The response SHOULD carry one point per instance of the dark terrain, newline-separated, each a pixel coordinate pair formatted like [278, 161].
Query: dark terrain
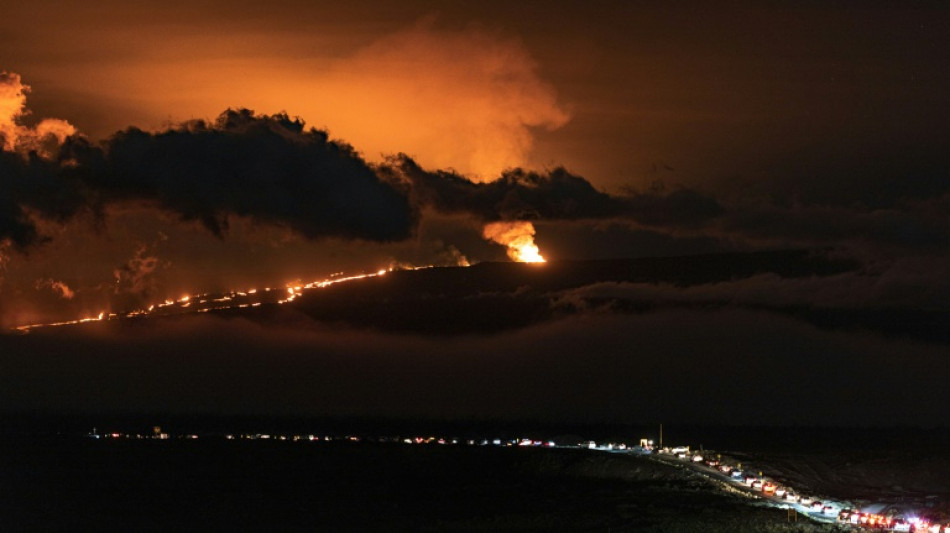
[493, 297]
[206, 484]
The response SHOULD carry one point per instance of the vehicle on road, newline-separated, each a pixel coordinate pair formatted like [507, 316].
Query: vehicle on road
[900, 524]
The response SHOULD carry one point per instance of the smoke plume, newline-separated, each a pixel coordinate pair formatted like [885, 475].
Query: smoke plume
[472, 98]
[58, 287]
[518, 237]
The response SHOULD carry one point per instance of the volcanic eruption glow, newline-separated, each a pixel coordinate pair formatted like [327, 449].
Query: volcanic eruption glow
[518, 236]
[203, 303]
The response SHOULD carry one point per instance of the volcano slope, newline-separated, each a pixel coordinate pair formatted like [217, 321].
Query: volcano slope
[491, 297]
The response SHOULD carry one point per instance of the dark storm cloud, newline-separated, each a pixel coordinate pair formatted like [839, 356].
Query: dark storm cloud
[893, 199]
[265, 167]
[554, 195]
[33, 184]
[272, 170]
[268, 168]
[517, 194]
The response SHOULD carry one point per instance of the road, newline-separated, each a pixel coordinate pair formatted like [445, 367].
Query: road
[771, 499]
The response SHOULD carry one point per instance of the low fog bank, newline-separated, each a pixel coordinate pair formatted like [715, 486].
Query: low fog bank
[699, 366]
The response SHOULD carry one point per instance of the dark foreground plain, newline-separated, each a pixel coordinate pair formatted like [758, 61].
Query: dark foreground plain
[69, 484]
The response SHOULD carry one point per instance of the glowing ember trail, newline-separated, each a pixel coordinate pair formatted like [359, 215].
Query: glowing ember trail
[518, 237]
[203, 303]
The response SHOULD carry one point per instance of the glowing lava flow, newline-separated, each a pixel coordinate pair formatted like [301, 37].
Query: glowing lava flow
[203, 303]
[518, 237]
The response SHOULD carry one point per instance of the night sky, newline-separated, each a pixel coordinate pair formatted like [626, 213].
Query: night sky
[155, 150]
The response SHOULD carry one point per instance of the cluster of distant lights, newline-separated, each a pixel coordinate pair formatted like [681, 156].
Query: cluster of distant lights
[521, 443]
[853, 517]
[877, 521]
[430, 440]
[204, 303]
[846, 516]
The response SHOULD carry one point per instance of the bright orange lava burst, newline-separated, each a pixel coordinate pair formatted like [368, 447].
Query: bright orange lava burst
[518, 237]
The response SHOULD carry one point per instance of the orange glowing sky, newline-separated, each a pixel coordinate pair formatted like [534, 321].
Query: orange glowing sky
[616, 91]
[466, 97]
[754, 105]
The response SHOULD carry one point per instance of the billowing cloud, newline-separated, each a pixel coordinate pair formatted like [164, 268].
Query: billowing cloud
[44, 138]
[273, 170]
[28, 181]
[33, 186]
[12, 100]
[136, 276]
[451, 95]
[268, 168]
[58, 287]
[554, 195]
[465, 99]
